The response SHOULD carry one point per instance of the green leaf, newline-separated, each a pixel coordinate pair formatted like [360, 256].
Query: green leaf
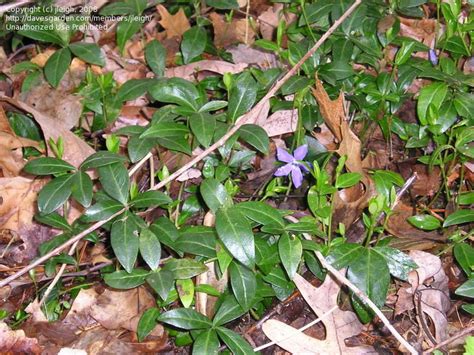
[256, 136]
[147, 323]
[54, 220]
[185, 268]
[229, 310]
[150, 248]
[185, 318]
[169, 135]
[213, 106]
[56, 66]
[464, 254]
[347, 180]
[101, 211]
[337, 70]
[455, 45]
[115, 181]
[234, 342]
[117, 8]
[464, 141]
[214, 194]
[193, 43]
[197, 240]
[294, 84]
[126, 28]
[139, 147]
[125, 242]
[185, 290]
[464, 104]
[123, 280]
[82, 188]
[203, 126]
[459, 217]
[138, 5]
[399, 263]
[433, 94]
[155, 55]
[466, 289]
[343, 255]
[176, 91]
[166, 231]
[47, 166]
[223, 4]
[290, 250]
[55, 193]
[151, 199]
[405, 52]
[370, 273]
[206, 343]
[88, 52]
[261, 213]
[466, 198]
[244, 284]
[101, 158]
[425, 222]
[236, 234]
[161, 281]
[242, 96]
[133, 89]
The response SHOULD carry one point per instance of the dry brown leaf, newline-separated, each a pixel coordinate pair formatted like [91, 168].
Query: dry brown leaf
[430, 283]
[16, 342]
[281, 122]
[189, 71]
[253, 56]
[270, 19]
[339, 325]
[75, 149]
[174, 25]
[227, 33]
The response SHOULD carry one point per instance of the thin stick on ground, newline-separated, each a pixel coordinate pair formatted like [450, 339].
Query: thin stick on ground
[464, 332]
[251, 116]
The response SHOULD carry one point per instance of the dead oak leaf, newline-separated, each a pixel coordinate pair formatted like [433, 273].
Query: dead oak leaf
[174, 25]
[339, 324]
[16, 342]
[227, 33]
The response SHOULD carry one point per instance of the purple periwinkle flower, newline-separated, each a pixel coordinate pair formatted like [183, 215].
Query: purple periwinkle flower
[433, 57]
[293, 164]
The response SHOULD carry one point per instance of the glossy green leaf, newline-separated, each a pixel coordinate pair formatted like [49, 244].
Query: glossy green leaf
[166, 231]
[228, 310]
[294, 84]
[343, 255]
[147, 323]
[290, 250]
[425, 222]
[125, 242]
[459, 217]
[139, 147]
[55, 193]
[169, 135]
[155, 55]
[185, 268]
[150, 248]
[466, 198]
[433, 94]
[88, 52]
[464, 104]
[185, 290]
[82, 188]
[234, 342]
[256, 136]
[133, 89]
[47, 166]
[405, 52]
[370, 273]
[244, 284]
[261, 212]
[176, 91]
[203, 126]
[138, 5]
[101, 210]
[242, 96]
[161, 281]
[126, 28]
[123, 280]
[206, 343]
[56, 66]
[54, 220]
[466, 289]
[115, 181]
[213, 106]
[193, 43]
[214, 194]
[101, 158]
[223, 4]
[197, 240]
[151, 199]
[347, 180]
[236, 234]
[464, 254]
[399, 263]
[117, 8]
[185, 318]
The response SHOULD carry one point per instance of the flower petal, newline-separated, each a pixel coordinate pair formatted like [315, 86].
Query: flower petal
[284, 156]
[304, 168]
[296, 176]
[301, 152]
[284, 170]
[433, 57]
